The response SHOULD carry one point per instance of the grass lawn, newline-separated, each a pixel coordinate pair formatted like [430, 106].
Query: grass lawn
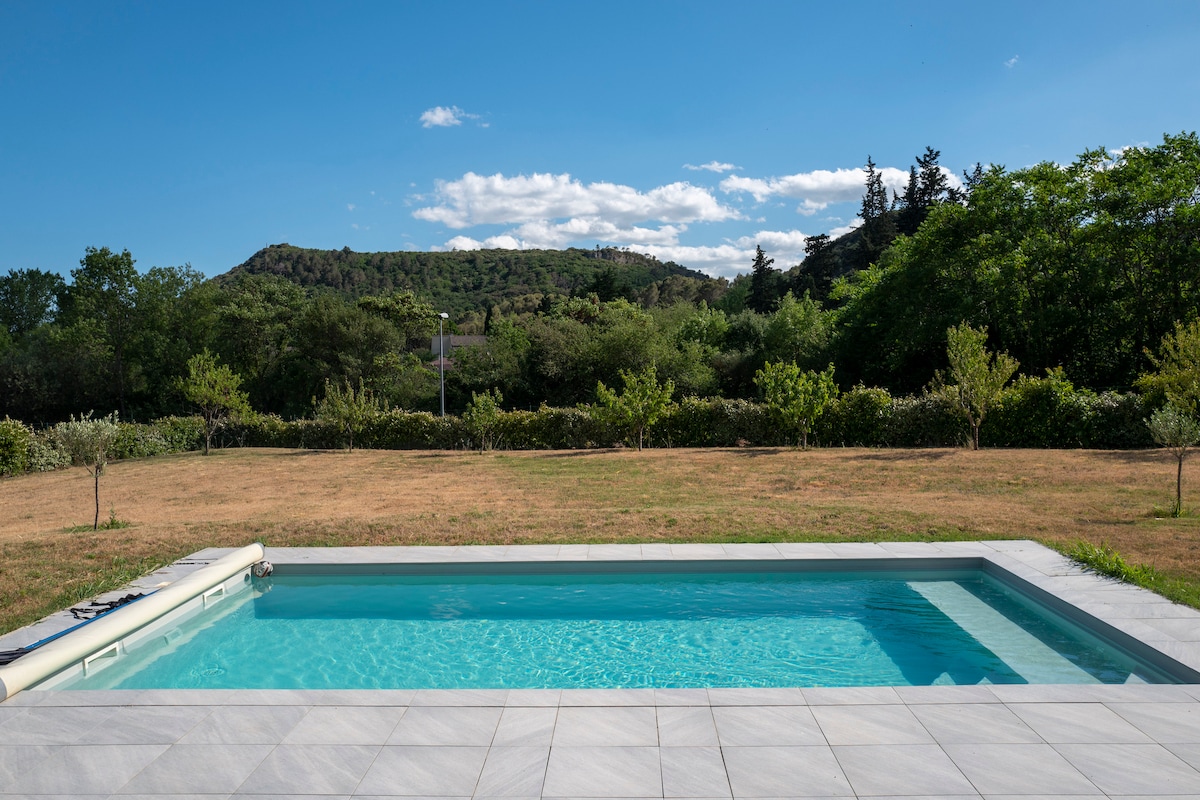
[179, 504]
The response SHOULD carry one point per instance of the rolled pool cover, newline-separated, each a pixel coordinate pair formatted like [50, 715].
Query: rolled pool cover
[56, 655]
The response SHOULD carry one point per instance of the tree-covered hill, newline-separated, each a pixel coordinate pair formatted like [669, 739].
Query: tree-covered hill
[461, 282]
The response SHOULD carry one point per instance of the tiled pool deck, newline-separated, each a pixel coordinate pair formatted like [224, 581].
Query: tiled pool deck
[1025, 741]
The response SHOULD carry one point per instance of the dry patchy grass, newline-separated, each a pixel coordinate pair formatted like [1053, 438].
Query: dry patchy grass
[180, 504]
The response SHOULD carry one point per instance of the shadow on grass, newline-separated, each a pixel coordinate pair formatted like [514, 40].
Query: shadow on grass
[1148, 456]
[907, 454]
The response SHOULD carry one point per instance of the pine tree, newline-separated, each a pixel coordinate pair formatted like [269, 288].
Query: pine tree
[764, 283]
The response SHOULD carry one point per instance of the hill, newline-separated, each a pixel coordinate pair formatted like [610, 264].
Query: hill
[466, 281]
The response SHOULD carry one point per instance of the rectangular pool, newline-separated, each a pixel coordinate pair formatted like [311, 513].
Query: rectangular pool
[614, 625]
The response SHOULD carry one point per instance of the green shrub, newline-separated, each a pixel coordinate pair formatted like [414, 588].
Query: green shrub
[180, 434]
[858, 418]
[718, 422]
[45, 454]
[553, 429]
[929, 420]
[1040, 412]
[1118, 422]
[15, 439]
[137, 441]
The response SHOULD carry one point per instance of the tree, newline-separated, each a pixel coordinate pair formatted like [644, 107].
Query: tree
[1178, 368]
[482, 418]
[764, 283]
[215, 390]
[798, 398]
[88, 442]
[878, 228]
[103, 295]
[978, 375]
[28, 299]
[641, 403]
[1176, 431]
[347, 408]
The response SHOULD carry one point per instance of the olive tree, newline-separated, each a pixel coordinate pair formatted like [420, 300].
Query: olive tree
[642, 402]
[1176, 431]
[88, 442]
[795, 396]
[979, 376]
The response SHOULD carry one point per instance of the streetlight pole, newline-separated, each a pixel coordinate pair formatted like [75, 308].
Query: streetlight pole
[442, 317]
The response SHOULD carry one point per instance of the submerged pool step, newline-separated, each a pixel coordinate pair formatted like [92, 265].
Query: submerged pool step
[1026, 654]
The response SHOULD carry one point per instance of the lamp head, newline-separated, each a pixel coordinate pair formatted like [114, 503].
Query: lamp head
[444, 315]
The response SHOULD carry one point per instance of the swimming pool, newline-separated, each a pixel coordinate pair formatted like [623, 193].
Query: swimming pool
[617, 624]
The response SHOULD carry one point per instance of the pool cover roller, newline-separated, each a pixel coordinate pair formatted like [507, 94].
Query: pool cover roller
[95, 636]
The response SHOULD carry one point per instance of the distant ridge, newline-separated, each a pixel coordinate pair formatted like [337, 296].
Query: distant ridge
[464, 281]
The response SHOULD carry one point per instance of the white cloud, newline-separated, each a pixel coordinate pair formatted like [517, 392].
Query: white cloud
[816, 189]
[350, 206]
[1012, 62]
[712, 166]
[497, 199]
[731, 258]
[443, 117]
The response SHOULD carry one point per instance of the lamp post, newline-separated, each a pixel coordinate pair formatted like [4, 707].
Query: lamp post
[442, 317]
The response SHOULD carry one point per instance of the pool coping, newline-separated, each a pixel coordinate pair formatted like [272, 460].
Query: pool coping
[1156, 758]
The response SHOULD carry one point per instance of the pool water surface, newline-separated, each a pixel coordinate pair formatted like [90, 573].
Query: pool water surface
[620, 630]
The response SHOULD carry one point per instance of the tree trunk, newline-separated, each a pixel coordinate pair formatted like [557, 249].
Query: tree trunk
[96, 521]
[1179, 488]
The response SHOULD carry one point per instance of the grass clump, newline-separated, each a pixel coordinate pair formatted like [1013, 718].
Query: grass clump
[1104, 560]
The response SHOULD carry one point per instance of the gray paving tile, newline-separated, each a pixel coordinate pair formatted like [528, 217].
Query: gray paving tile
[460, 697]
[771, 725]
[903, 769]
[149, 724]
[785, 772]
[607, 697]
[53, 725]
[245, 725]
[16, 760]
[533, 697]
[294, 769]
[196, 768]
[1164, 722]
[686, 726]
[513, 772]
[1019, 769]
[1124, 769]
[1188, 753]
[693, 772]
[603, 772]
[974, 723]
[346, 725]
[870, 725]
[1076, 722]
[84, 769]
[756, 697]
[453, 725]
[432, 771]
[681, 697]
[606, 727]
[526, 727]
[861, 695]
[930, 695]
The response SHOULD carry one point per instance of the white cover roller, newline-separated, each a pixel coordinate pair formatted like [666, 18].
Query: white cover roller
[95, 636]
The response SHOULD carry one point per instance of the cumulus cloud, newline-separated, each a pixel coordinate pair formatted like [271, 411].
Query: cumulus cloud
[1012, 62]
[816, 189]
[712, 166]
[445, 117]
[497, 199]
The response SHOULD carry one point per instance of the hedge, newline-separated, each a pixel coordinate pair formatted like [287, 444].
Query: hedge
[1032, 412]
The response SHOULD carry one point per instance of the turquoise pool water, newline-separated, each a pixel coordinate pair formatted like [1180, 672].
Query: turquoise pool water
[621, 631]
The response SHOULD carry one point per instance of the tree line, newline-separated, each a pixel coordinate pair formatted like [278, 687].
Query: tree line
[1081, 268]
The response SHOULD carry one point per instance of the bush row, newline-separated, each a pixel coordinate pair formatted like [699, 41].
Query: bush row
[1037, 412]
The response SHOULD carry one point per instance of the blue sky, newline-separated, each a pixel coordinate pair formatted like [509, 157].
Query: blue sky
[198, 133]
